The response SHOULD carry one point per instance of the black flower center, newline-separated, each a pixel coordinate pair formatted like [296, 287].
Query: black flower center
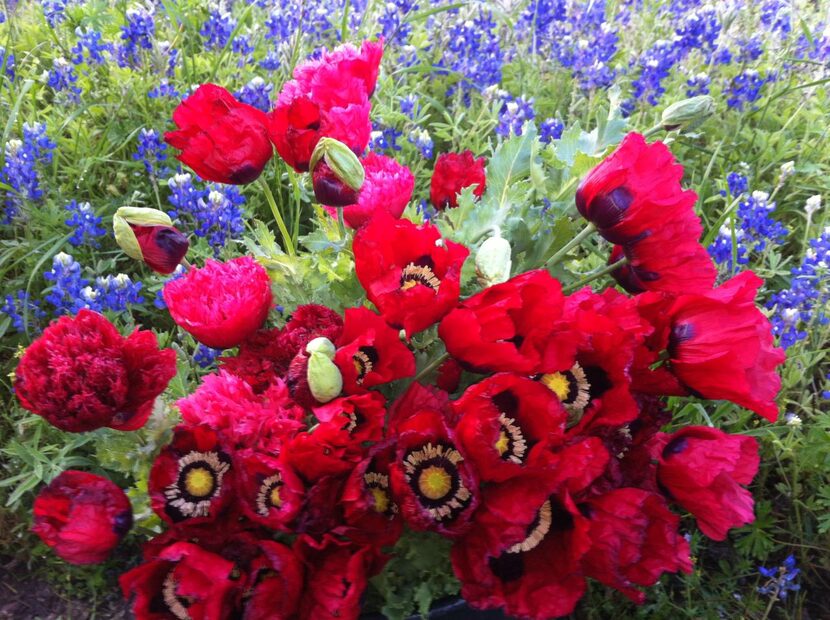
[608, 209]
[364, 361]
[420, 273]
[199, 481]
[432, 473]
[577, 387]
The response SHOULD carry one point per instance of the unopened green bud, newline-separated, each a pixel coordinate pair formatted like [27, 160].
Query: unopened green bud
[493, 261]
[342, 161]
[688, 113]
[127, 217]
[324, 379]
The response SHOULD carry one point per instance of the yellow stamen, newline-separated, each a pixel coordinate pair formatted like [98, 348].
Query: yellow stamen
[557, 383]
[275, 498]
[199, 482]
[434, 482]
[381, 499]
[503, 443]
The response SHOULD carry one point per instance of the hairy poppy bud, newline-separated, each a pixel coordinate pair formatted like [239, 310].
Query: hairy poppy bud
[324, 379]
[688, 113]
[148, 235]
[337, 174]
[493, 261]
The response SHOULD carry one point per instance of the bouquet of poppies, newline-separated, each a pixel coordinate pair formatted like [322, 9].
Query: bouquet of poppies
[485, 393]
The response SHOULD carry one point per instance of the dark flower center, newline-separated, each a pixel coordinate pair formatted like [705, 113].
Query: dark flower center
[675, 446]
[122, 523]
[177, 605]
[364, 361]
[268, 495]
[378, 486]
[577, 387]
[680, 333]
[420, 272]
[432, 473]
[199, 481]
[608, 209]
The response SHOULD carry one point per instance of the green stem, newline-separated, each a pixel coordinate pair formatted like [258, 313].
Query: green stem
[594, 275]
[563, 251]
[432, 366]
[653, 131]
[341, 224]
[286, 236]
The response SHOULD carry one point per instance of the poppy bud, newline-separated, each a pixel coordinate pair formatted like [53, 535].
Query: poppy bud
[688, 113]
[324, 379]
[337, 174]
[493, 261]
[148, 235]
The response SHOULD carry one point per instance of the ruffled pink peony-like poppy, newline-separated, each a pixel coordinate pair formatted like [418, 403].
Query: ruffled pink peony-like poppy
[221, 304]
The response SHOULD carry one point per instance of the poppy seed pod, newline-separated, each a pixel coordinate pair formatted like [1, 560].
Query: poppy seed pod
[493, 261]
[688, 114]
[324, 379]
[148, 235]
[337, 174]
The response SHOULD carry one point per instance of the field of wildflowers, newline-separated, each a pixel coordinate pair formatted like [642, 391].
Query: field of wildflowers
[539, 91]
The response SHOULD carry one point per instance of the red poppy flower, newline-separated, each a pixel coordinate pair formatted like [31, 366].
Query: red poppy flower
[241, 418]
[524, 550]
[162, 247]
[277, 578]
[191, 477]
[634, 540]
[415, 399]
[703, 469]
[337, 573]
[223, 140]
[371, 515]
[268, 490]
[720, 345]
[308, 322]
[221, 304]
[182, 581]
[322, 512]
[81, 516]
[362, 416]
[668, 259]
[409, 272]
[636, 191]
[503, 420]
[449, 376]
[81, 374]
[370, 352]
[327, 97]
[328, 450]
[453, 172]
[434, 483]
[508, 327]
[387, 187]
[594, 387]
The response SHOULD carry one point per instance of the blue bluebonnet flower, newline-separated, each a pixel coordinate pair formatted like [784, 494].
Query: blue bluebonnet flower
[750, 49]
[738, 183]
[394, 29]
[136, 34]
[805, 302]
[163, 89]
[166, 48]
[422, 141]
[2, 17]
[775, 15]
[20, 169]
[206, 357]
[539, 19]
[698, 85]
[780, 579]
[754, 230]
[117, 293]
[241, 45]
[722, 56]
[7, 62]
[655, 65]
[473, 51]
[551, 129]
[825, 394]
[425, 210]
[53, 11]
[23, 311]
[62, 79]
[514, 113]
[744, 88]
[271, 62]
[410, 106]
[214, 213]
[698, 29]
[256, 93]
[384, 138]
[282, 22]
[217, 29]
[87, 225]
[151, 152]
[90, 48]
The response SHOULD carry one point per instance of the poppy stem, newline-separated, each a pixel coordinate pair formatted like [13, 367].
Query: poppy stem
[432, 366]
[286, 236]
[594, 275]
[341, 224]
[654, 130]
[563, 251]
